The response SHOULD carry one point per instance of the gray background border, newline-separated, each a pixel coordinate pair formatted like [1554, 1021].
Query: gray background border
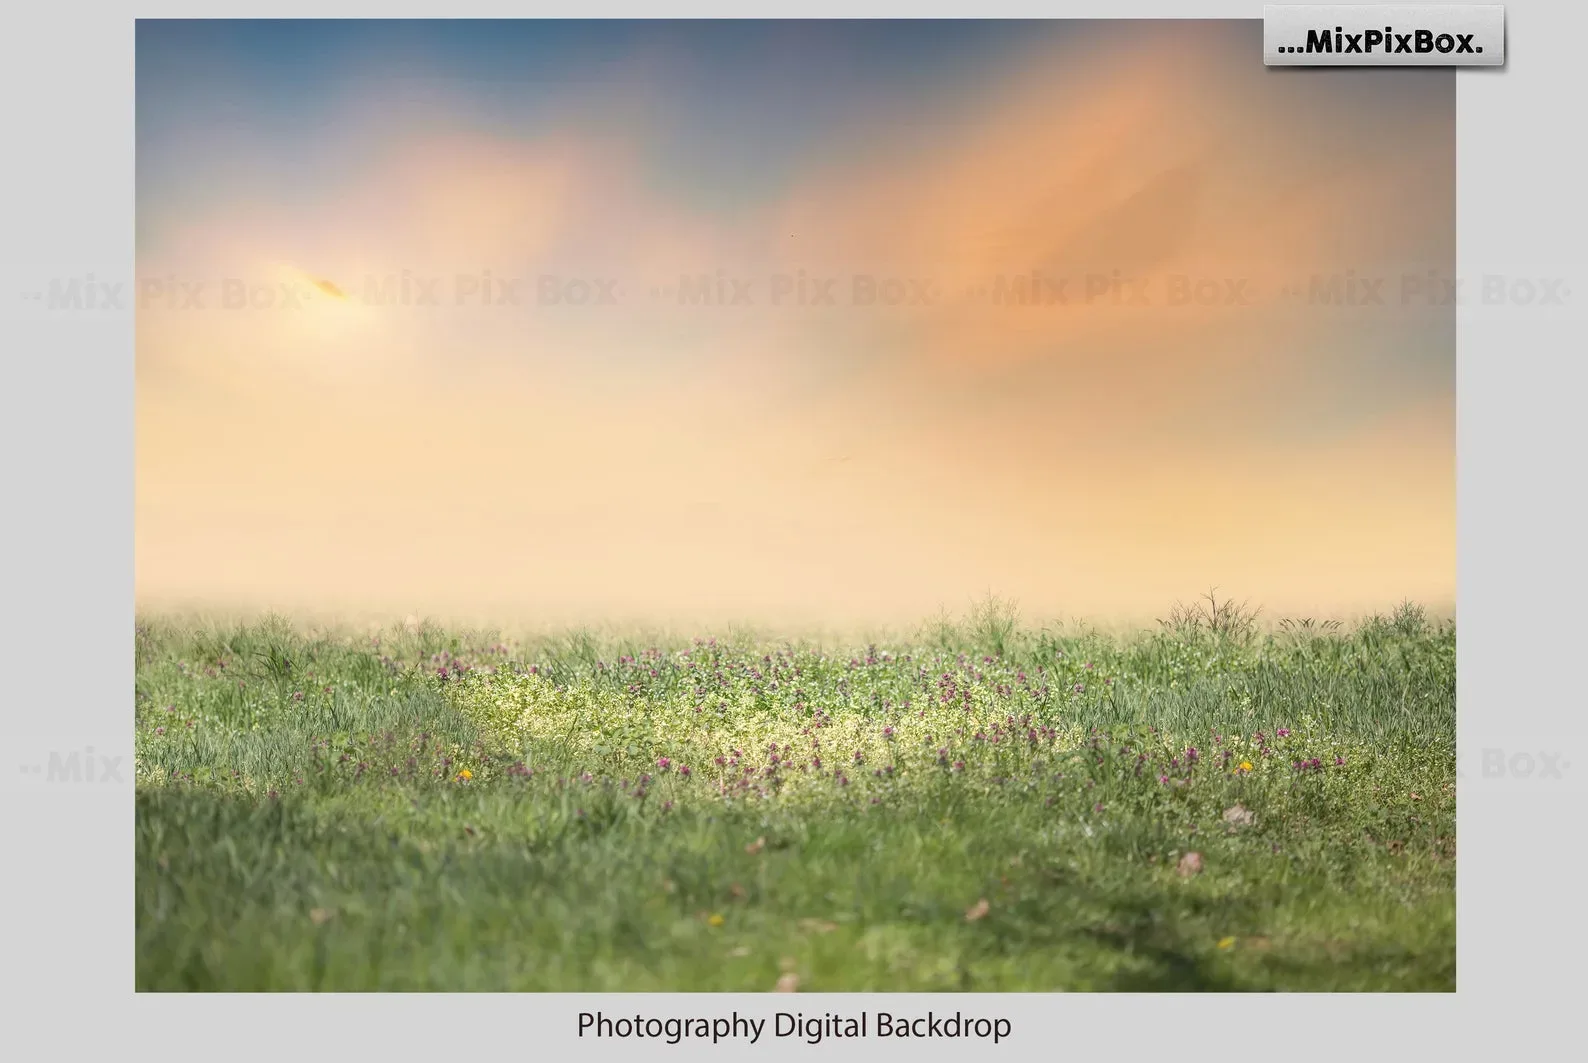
[66, 430]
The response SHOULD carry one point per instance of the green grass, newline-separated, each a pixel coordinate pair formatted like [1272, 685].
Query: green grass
[321, 811]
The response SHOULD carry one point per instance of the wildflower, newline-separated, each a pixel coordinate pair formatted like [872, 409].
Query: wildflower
[1283, 732]
[1226, 943]
[1246, 765]
[1339, 761]
[663, 763]
[683, 770]
[715, 919]
[887, 732]
[465, 775]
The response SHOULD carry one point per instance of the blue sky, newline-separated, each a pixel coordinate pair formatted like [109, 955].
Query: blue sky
[1100, 458]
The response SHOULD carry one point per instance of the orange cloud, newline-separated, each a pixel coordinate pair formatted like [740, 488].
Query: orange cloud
[643, 459]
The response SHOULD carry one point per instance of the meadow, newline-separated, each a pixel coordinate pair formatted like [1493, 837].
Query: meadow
[979, 804]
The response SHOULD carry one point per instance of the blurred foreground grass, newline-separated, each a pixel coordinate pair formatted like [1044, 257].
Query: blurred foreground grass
[977, 806]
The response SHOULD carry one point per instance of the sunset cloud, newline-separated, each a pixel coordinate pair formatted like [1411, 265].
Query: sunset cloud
[642, 459]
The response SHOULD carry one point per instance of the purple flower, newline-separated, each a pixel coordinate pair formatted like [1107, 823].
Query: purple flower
[1283, 732]
[1339, 761]
[683, 769]
[663, 763]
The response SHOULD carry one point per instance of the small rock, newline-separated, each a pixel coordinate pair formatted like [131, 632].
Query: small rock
[755, 846]
[1190, 864]
[977, 910]
[1239, 816]
[320, 916]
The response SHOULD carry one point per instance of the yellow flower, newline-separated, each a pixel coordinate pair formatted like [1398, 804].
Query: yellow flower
[715, 919]
[1226, 943]
[465, 775]
[1246, 765]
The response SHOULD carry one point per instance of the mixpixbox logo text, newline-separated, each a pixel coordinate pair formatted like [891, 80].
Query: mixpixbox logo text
[1413, 42]
[1384, 35]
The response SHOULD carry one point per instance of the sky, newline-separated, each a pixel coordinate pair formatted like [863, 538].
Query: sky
[309, 444]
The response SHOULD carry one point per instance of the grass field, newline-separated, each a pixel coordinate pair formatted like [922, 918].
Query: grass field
[978, 806]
